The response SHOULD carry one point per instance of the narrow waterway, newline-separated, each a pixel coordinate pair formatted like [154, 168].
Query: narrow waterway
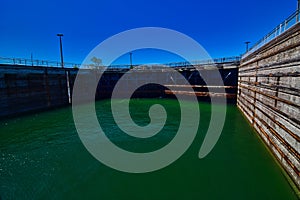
[42, 157]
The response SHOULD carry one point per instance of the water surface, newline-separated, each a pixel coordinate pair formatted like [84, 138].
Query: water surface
[43, 157]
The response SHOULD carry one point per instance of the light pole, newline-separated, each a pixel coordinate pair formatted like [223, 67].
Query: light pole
[298, 11]
[131, 67]
[247, 46]
[61, 50]
[31, 57]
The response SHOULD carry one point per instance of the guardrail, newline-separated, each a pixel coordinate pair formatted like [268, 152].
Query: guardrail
[34, 62]
[45, 63]
[281, 28]
[233, 59]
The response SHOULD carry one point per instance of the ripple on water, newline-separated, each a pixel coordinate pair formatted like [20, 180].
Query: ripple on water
[43, 158]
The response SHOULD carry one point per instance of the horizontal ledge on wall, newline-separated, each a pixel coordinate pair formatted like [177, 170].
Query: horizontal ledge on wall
[271, 96]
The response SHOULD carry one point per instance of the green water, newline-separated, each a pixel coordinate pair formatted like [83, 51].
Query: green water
[42, 157]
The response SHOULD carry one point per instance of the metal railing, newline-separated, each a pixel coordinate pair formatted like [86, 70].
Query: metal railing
[46, 63]
[233, 59]
[281, 28]
[34, 62]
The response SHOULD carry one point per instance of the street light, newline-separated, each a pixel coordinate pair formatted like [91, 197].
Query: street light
[298, 11]
[61, 50]
[131, 67]
[247, 46]
[31, 58]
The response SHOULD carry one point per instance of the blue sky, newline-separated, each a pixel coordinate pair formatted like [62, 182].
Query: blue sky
[221, 27]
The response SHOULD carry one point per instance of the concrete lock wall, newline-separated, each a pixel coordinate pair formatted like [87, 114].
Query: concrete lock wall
[25, 88]
[269, 97]
[30, 88]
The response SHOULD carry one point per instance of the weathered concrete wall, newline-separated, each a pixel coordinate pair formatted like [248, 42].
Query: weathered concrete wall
[24, 88]
[269, 96]
[172, 80]
[226, 87]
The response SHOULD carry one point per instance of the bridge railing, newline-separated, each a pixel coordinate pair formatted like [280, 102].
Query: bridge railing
[34, 62]
[46, 63]
[281, 28]
[233, 59]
